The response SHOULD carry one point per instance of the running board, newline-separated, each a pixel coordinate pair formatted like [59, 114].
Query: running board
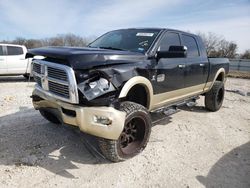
[173, 108]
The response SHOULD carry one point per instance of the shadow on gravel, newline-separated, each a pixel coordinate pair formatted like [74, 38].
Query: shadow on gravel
[232, 170]
[14, 79]
[28, 139]
[199, 109]
[160, 119]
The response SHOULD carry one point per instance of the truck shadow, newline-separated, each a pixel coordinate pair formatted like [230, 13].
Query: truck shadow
[28, 139]
[160, 119]
[199, 109]
[232, 170]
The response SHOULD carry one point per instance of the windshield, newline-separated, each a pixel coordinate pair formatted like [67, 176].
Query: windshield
[136, 40]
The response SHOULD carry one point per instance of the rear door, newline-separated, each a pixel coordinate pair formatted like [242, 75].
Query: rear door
[196, 70]
[16, 61]
[3, 65]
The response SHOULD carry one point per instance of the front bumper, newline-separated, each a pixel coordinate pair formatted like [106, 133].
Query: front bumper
[83, 117]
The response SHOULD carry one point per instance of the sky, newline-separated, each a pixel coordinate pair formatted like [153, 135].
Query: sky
[88, 18]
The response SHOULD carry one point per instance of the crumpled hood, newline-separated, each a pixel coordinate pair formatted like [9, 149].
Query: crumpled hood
[85, 58]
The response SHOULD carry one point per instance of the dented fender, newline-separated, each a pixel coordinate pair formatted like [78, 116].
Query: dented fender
[123, 78]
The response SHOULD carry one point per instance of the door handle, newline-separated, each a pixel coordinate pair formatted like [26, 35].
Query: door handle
[181, 66]
[202, 64]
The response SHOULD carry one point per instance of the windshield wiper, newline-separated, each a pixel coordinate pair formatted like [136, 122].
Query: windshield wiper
[111, 48]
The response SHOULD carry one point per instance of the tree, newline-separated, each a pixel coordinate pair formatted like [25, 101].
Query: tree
[20, 41]
[59, 40]
[74, 40]
[33, 43]
[245, 55]
[66, 40]
[226, 49]
[211, 42]
[217, 46]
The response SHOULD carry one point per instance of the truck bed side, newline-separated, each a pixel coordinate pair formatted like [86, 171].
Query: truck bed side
[215, 67]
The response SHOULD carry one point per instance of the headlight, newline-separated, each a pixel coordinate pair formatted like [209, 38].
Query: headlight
[96, 88]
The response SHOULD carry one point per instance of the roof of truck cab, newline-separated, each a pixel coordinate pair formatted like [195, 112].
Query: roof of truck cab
[158, 28]
[4, 44]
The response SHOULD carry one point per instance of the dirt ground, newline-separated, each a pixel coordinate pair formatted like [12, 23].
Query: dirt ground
[191, 148]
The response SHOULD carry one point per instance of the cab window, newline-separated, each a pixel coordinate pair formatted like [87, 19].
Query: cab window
[14, 50]
[191, 44]
[169, 39]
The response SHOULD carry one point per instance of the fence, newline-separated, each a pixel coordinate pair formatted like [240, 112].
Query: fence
[239, 65]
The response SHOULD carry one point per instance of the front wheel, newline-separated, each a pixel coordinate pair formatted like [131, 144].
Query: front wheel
[214, 98]
[26, 76]
[134, 137]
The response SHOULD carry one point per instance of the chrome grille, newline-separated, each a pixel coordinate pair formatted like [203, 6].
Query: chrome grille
[37, 68]
[38, 80]
[57, 74]
[55, 80]
[59, 89]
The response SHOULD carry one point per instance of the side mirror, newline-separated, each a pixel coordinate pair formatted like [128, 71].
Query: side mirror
[174, 52]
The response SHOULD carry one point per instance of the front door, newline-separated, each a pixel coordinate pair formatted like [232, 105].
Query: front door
[168, 78]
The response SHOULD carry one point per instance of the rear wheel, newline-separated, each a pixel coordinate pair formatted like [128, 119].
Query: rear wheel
[214, 98]
[134, 137]
[49, 116]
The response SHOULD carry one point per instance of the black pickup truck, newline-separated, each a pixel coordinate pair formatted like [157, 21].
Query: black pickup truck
[110, 88]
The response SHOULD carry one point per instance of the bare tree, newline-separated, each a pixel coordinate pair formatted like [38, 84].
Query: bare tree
[66, 40]
[245, 55]
[217, 46]
[211, 41]
[227, 49]
[20, 41]
[56, 41]
[33, 43]
[74, 40]
[59, 40]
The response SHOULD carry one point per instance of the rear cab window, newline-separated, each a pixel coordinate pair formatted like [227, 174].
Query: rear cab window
[1, 50]
[191, 44]
[14, 50]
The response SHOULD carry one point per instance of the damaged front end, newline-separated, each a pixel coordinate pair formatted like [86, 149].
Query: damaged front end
[96, 109]
[100, 74]
[103, 85]
[96, 86]
[82, 88]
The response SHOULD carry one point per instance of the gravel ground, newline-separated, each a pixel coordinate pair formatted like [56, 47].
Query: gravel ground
[191, 148]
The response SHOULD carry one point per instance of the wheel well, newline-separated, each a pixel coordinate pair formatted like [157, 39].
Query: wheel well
[220, 77]
[138, 94]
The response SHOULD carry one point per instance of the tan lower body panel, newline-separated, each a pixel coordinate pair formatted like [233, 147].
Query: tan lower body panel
[84, 117]
[163, 99]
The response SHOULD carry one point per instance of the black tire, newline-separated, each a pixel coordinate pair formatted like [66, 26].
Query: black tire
[49, 116]
[214, 98]
[26, 76]
[134, 137]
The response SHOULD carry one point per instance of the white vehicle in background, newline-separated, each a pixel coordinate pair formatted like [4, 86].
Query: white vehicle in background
[13, 62]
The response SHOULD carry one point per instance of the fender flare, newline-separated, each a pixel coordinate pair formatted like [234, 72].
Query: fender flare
[138, 80]
[221, 70]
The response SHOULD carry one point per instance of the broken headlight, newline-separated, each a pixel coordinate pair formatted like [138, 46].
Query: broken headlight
[94, 88]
